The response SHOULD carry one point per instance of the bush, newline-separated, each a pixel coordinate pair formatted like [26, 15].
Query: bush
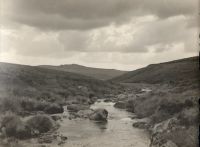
[40, 106]
[28, 104]
[53, 109]
[8, 104]
[40, 123]
[189, 117]
[171, 107]
[12, 126]
[189, 103]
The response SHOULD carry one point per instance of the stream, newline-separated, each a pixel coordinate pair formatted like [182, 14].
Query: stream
[116, 132]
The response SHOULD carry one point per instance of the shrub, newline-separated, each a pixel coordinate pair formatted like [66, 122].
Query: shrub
[27, 104]
[189, 117]
[53, 109]
[40, 106]
[189, 103]
[40, 123]
[8, 104]
[12, 126]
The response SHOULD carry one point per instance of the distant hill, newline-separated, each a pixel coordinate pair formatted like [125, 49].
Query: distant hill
[98, 73]
[37, 82]
[183, 71]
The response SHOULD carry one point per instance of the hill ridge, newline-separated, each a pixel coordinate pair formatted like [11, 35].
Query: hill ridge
[97, 73]
[177, 71]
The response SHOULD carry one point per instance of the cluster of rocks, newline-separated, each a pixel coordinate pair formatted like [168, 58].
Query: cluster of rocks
[80, 108]
[96, 115]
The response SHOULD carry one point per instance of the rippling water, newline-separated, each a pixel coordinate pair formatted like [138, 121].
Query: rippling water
[117, 132]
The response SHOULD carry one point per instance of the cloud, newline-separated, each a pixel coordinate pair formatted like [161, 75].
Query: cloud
[89, 14]
[104, 33]
[140, 35]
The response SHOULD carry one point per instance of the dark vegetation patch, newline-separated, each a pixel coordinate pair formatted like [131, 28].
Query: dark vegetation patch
[40, 124]
[13, 126]
[27, 106]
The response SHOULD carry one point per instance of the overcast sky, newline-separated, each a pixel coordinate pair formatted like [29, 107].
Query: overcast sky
[121, 34]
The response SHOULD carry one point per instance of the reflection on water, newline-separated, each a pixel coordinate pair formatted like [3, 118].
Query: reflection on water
[116, 132]
[101, 125]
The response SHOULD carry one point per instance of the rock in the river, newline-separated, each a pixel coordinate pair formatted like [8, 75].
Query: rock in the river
[121, 96]
[141, 125]
[99, 115]
[54, 108]
[121, 105]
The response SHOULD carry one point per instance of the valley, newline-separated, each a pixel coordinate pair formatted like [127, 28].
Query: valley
[149, 107]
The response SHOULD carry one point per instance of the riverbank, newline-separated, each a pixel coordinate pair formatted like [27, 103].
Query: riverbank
[168, 112]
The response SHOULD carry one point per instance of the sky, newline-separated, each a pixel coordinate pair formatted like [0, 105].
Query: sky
[120, 34]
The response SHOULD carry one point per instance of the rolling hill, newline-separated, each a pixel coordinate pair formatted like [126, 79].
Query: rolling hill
[97, 73]
[183, 71]
[37, 82]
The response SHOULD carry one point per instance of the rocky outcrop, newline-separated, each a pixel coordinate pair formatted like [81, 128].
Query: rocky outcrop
[99, 115]
[172, 133]
[163, 143]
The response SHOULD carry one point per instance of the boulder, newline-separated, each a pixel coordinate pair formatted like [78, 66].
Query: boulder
[99, 115]
[121, 96]
[121, 105]
[168, 125]
[54, 109]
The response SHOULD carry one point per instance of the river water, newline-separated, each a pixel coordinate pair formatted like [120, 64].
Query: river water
[117, 132]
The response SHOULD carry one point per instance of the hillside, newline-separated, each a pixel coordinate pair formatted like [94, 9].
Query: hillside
[48, 84]
[185, 71]
[98, 73]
